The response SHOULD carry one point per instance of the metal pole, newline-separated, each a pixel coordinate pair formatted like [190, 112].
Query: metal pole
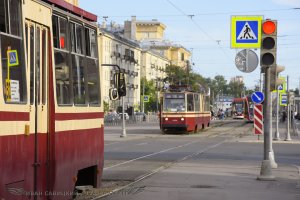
[277, 135]
[271, 152]
[288, 136]
[123, 120]
[143, 109]
[266, 167]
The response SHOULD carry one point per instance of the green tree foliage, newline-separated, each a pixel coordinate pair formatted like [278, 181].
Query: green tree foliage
[150, 90]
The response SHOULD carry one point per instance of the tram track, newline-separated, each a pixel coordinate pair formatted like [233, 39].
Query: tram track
[118, 185]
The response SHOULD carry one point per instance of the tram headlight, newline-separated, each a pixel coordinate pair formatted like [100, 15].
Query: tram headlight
[182, 119]
[166, 119]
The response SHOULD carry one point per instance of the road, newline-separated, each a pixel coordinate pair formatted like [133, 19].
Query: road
[226, 157]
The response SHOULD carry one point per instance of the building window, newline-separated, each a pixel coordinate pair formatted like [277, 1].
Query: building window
[182, 56]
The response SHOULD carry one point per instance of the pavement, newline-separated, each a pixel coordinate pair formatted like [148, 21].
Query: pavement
[228, 176]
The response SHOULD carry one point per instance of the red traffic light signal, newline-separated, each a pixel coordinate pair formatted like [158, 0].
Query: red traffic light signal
[269, 27]
[268, 43]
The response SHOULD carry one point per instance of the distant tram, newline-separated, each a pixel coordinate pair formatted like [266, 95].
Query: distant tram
[51, 116]
[184, 110]
[248, 109]
[237, 108]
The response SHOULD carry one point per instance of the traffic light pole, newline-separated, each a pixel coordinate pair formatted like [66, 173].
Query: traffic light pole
[266, 167]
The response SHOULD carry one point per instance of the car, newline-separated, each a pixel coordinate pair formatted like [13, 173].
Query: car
[140, 115]
[126, 116]
[111, 117]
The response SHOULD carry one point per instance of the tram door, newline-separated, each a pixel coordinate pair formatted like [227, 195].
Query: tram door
[37, 42]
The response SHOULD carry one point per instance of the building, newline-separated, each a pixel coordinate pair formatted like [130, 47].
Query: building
[237, 79]
[151, 36]
[116, 50]
[73, 2]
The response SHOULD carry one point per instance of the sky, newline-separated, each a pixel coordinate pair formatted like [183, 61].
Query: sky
[203, 27]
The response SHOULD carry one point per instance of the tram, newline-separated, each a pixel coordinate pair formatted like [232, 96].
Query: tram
[184, 110]
[237, 108]
[248, 108]
[51, 116]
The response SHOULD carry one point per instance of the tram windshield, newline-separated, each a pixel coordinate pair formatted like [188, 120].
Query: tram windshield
[174, 102]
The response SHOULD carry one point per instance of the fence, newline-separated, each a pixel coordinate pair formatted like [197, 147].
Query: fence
[135, 119]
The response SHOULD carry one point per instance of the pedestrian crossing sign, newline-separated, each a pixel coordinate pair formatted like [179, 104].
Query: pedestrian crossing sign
[246, 31]
[12, 58]
[282, 87]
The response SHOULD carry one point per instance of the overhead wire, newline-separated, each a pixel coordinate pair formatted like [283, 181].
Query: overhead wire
[199, 27]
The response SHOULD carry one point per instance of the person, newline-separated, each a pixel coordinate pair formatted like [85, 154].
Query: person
[283, 115]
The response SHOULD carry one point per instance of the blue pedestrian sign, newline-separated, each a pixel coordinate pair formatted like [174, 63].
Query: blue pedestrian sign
[246, 31]
[12, 56]
[257, 97]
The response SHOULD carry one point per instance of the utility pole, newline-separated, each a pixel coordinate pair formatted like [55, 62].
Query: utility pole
[288, 136]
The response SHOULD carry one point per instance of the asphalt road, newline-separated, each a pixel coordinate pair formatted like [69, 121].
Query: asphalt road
[149, 165]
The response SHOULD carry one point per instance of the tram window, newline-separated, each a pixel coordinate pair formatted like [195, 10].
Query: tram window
[197, 102]
[63, 33]
[62, 75]
[14, 12]
[31, 35]
[72, 37]
[11, 24]
[55, 31]
[190, 102]
[17, 75]
[87, 42]
[3, 17]
[93, 81]
[38, 64]
[44, 65]
[91, 43]
[93, 38]
[78, 80]
[76, 38]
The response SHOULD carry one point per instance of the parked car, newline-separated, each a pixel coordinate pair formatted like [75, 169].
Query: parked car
[126, 116]
[112, 117]
[140, 115]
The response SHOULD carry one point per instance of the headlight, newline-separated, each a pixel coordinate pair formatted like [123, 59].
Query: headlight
[182, 119]
[166, 119]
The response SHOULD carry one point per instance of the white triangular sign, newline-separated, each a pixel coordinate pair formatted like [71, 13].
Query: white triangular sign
[280, 87]
[247, 33]
[12, 58]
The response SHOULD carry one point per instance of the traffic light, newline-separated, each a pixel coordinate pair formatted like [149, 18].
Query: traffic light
[121, 84]
[268, 43]
[274, 80]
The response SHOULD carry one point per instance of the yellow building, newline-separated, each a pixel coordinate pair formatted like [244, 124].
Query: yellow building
[151, 35]
[115, 50]
[74, 2]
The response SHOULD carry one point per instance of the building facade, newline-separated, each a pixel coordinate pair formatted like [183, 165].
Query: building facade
[116, 50]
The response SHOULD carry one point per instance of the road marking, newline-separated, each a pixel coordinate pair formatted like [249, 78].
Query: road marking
[152, 154]
[143, 143]
[111, 143]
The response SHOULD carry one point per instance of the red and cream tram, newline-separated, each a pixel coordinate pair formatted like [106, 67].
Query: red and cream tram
[184, 110]
[51, 116]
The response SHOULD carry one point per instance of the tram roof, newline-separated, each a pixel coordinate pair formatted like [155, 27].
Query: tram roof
[73, 9]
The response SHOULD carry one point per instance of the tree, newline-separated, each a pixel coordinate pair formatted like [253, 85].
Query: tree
[237, 89]
[151, 91]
